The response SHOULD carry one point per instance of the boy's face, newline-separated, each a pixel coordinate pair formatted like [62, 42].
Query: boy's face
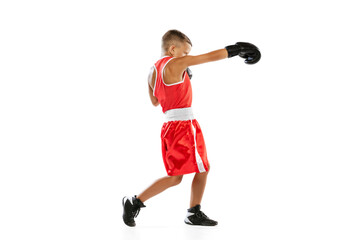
[183, 49]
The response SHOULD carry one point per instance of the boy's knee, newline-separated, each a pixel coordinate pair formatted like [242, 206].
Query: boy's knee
[176, 180]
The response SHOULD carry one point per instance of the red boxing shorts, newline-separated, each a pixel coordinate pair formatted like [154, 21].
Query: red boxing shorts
[182, 143]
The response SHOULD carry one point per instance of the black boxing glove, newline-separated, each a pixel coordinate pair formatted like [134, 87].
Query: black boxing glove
[245, 50]
[250, 52]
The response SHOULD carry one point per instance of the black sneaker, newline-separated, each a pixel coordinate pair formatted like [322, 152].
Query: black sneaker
[196, 217]
[132, 207]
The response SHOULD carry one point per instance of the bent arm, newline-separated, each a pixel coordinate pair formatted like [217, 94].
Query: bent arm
[153, 99]
[151, 83]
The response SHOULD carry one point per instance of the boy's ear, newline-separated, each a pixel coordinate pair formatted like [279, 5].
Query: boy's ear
[172, 49]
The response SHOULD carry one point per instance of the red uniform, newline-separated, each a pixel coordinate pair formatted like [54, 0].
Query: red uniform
[182, 141]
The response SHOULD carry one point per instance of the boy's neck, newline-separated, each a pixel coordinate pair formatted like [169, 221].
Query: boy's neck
[167, 54]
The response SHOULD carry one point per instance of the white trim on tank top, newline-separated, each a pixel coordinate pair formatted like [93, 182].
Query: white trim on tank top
[155, 80]
[162, 75]
[153, 68]
[150, 75]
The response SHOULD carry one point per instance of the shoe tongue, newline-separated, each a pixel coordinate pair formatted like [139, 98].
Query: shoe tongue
[195, 209]
[138, 203]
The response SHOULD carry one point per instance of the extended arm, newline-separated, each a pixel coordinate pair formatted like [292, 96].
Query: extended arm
[187, 61]
[245, 50]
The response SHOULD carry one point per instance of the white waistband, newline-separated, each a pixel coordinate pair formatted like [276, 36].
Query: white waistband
[179, 114]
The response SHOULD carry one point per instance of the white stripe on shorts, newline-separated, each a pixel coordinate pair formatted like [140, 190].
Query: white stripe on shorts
[199, 162]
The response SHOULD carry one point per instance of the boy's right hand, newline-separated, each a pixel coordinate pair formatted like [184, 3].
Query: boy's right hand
[245, 50]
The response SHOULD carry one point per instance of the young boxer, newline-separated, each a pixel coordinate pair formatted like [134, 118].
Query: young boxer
[182, 141]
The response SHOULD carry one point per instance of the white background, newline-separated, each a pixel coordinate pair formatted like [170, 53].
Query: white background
[78, 131]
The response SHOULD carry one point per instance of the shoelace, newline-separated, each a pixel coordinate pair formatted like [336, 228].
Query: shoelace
[200, 214]
[136, 212]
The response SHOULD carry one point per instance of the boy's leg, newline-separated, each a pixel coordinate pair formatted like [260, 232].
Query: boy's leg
[198, 188]
[159, 186]
[194, 214]
[132, 205]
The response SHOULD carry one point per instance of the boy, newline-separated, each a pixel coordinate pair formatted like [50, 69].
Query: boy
[183, 146]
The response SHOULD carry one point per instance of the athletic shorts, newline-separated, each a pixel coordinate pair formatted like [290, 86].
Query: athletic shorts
[182, 143]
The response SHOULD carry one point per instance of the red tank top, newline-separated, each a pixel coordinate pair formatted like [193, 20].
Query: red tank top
[175, 95]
